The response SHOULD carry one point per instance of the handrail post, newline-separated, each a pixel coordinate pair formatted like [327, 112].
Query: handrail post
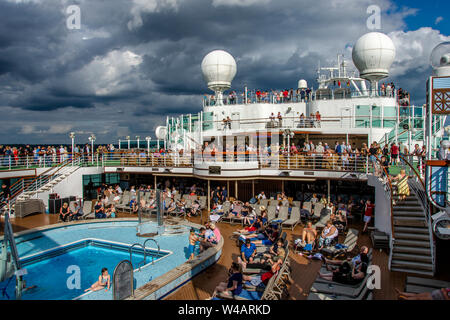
[9, 162]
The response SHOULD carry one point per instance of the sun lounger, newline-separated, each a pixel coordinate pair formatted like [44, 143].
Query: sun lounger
[420, 285]
[296, 204]
[339, 289]
[350, 242]
[87, 210]
[294, 219]
[282, 215]
[271, 212]
[325, 296]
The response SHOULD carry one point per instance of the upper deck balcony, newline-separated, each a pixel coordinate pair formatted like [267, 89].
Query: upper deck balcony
[292, 96]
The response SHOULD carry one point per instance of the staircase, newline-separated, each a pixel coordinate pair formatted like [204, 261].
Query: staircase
[413, 248]
[46, 181]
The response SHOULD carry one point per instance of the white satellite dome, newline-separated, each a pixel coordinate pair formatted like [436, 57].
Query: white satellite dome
[161, 132]
[440, 60]
[373, 55]
[219, 69]
[302, 84]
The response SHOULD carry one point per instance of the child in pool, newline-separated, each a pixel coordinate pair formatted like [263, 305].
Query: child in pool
[193, 239]
[104, 281]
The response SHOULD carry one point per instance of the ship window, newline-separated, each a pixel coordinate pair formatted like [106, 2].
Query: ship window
[376, 117]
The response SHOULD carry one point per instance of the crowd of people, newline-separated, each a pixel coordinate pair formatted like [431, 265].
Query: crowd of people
[262, 96]
[47, 155]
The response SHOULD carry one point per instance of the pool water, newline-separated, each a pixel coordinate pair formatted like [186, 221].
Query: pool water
[53, 278]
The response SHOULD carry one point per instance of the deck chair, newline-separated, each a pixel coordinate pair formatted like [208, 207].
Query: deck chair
[271, 212]
[339, 289]
[318, 207]
[323, 220]
[88, 213]
[186, 196]
[324, 269]
[282, 215]
[237, 209]
[308, 206]
[293, 220]
[228, 217]
[285, 203]
[264, 202]
[296, 203]
[202, 201]
[124, 201]
[324, 296]
[420, 285]
[350, 241]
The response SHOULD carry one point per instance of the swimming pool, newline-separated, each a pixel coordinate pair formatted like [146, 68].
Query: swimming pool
[47, 254]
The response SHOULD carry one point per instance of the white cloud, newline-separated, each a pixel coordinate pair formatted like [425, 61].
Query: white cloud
[108, 75]
[142, 6]
[438, 19]
[414, 49]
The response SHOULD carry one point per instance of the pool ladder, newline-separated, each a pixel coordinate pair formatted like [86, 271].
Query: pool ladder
[141, 263]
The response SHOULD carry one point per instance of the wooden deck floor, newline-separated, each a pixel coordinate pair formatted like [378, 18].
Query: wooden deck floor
[304, 271]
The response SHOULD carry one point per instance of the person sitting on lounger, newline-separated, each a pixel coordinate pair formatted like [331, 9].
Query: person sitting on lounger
[437, 294]
[104, 282]
[340, 218]
[274, 251]
[329, 233]
[250, 218]
[347, 273]
[172, 206]
[362, 256]
[267, 238]
[110, 211]
[99, 210]
[263, 214]
[263, 279]
[248, 252]
[256, 225]
[234, 284]
[308, 239]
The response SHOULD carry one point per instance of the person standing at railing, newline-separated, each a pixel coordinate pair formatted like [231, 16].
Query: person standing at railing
[394, 153]
[318, 117]
[280, 119]
[302, 120]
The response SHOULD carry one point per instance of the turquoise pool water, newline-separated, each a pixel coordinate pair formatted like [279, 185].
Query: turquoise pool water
[48, 254]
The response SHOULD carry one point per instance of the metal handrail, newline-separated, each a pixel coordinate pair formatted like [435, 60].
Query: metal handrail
[157, 244]
[130, 249]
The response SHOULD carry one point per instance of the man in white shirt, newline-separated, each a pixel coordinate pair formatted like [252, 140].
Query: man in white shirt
[262, 195]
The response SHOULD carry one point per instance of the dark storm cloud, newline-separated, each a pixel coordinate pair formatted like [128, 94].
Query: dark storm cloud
[134, 62]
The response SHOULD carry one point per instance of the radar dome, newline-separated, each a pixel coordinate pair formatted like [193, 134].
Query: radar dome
[440, 59]
[373, 55]
[219, 69]
[161, 132]
[302, 84]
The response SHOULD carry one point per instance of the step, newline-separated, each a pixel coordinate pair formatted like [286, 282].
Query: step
[422, 230]
[409, 214]
[422, 272]
[408, 208]
[411, 265]
[411, 257]
[412, 243]
[410, 222]
[411, 236]
[411, 250]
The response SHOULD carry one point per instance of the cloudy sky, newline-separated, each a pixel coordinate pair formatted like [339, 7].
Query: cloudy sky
[133, 62]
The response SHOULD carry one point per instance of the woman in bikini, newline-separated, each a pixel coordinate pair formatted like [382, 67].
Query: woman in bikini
[104, 281]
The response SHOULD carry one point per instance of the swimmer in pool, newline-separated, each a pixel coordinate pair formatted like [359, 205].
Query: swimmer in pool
[104, 281]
